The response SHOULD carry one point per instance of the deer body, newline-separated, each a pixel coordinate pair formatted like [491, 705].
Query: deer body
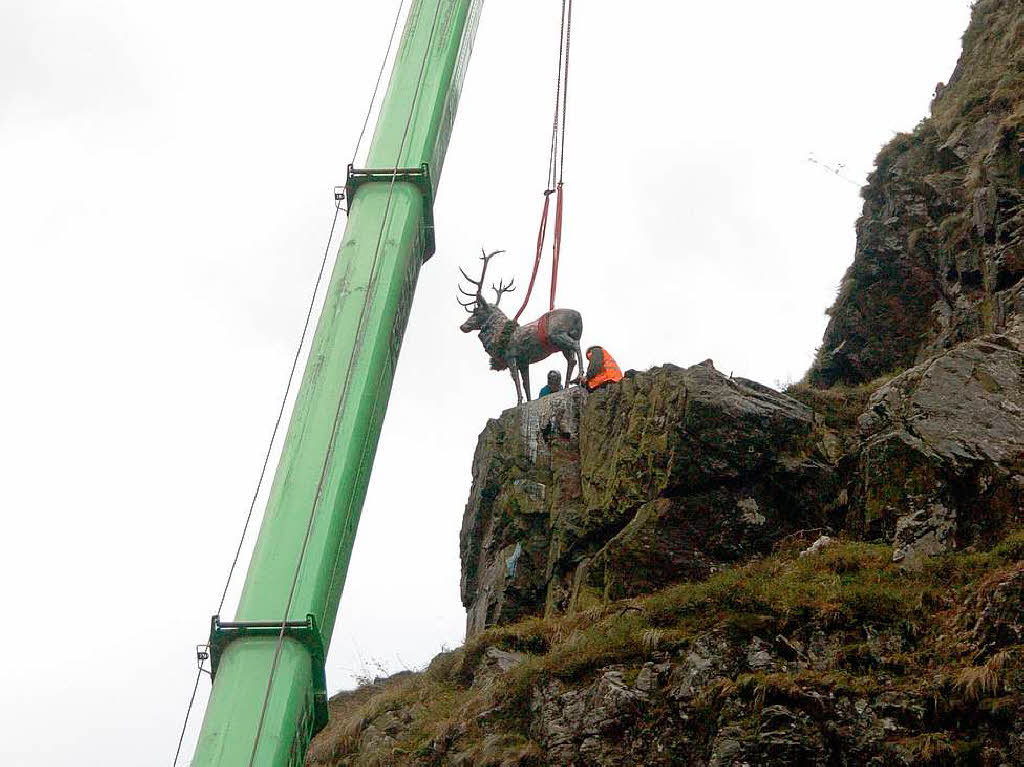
[515, 347]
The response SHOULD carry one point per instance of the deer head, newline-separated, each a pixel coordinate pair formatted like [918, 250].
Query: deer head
[478, 308]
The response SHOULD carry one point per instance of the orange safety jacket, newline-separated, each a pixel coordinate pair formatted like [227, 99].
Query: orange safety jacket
[609, 372]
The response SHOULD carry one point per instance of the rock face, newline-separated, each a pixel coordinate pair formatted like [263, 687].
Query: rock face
[525, 471]
[940, 244]
[942, 458]
[581, 499]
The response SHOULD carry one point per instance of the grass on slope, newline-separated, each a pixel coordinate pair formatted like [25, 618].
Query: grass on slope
[849, 586]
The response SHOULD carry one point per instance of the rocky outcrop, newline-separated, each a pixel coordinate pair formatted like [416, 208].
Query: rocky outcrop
[582, 499]
[941, 463]
[940, 244]
[698, 470]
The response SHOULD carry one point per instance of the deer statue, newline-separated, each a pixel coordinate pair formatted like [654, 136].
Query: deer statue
[513, 346]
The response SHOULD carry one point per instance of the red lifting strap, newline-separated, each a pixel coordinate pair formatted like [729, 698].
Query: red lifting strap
[556, 166]
[556, 249]
[540, 250]
[556, 246]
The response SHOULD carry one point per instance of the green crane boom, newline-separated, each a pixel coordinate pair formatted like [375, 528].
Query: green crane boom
[301, 556]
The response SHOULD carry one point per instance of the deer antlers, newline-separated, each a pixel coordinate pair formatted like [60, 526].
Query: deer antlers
[501, 289]
[478, 297]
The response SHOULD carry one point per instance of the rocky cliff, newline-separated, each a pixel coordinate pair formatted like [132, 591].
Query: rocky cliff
[940, 253]
[688, 568]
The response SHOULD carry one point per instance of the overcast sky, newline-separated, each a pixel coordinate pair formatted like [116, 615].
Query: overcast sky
[165, 193]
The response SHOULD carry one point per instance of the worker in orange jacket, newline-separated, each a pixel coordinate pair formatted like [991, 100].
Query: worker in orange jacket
[602, 370]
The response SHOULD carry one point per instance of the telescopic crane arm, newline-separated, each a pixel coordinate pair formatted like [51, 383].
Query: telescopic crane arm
[301, 556]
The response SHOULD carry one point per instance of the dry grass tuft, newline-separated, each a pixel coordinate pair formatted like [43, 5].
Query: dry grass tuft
[651, 640]
[977, 682]
[932, 747]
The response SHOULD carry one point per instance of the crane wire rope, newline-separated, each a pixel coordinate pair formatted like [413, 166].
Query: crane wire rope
[556, 245]
[291, 373]
[380, 76]
[567, 22]
[556, 165]
[360, 329]
[553, 155]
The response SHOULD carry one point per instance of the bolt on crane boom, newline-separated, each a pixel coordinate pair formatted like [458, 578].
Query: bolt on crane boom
[269, 695]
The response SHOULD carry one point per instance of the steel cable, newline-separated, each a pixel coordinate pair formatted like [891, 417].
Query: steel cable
[555, 167]
[380, 76]
[291, 374]
[344, 393]
[191, 702]
[567, 21]
[553, 153]
[268, 453]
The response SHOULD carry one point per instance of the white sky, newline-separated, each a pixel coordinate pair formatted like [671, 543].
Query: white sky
[165, 191]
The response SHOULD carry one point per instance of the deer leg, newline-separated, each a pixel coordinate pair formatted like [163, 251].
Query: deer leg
[524, 371]
[515, 379]
[570, 348]
[570, 358]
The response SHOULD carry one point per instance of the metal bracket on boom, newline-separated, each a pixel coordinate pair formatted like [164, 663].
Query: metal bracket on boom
[420, 177]
[304, 632]
[202, 655]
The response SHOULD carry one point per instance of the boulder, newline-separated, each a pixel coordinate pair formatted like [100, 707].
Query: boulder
[941, 463]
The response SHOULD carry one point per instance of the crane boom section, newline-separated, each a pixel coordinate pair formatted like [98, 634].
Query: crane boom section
[309, 526]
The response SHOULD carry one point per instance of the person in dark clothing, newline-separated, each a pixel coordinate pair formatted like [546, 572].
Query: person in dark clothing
[554, 384]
